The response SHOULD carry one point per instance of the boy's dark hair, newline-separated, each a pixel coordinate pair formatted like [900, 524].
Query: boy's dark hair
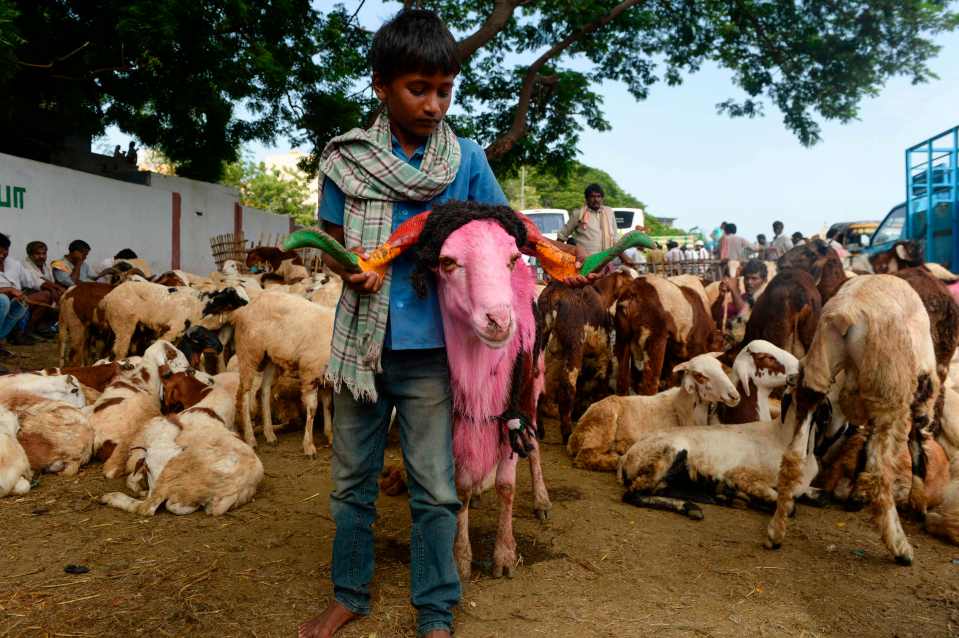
[78, 245]
[761, 238]
[126, 253]
[797, 236]
[34, 246]
[447, 219]
[778, 224]
[4, 241]
[671, 244]
[731, 229]
[755, 266]
[593, 188]
[414, 41]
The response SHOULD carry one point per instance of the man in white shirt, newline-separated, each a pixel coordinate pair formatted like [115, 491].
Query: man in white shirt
[45, 297]
[700, 253]
[780, 245]
[13, 301]
[675, 253]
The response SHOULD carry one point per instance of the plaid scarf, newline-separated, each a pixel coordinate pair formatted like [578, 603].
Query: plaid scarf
[362, 164]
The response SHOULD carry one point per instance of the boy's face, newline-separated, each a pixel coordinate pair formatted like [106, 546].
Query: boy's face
[417, 102]
[752, 282]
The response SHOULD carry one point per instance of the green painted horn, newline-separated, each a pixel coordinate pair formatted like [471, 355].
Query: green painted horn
[631, 239]
[316, 238]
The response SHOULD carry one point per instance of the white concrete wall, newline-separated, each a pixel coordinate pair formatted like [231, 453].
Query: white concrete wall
[60, 205]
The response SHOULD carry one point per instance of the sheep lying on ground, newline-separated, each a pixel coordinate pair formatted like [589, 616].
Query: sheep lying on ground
[128, 403]
[64, 388]
[15, 472]
[741, 461]
[56, 436]
[871, 321]
[610, 426]
[192, 461]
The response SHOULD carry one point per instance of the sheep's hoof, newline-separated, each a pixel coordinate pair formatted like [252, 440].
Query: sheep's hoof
[500, 570]
[771, 544]
[693, 511]
[904, 559]
[541, 514]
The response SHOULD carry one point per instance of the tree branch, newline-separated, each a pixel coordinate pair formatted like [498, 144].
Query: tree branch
[517, 129]
[495, 22]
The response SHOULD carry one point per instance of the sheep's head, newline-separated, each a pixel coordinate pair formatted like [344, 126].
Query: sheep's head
[704, 376]
[197, 341]
[903, 254]
[766, 365]
[230, 267]
[167, 359]
[473, 251]
[225, 300]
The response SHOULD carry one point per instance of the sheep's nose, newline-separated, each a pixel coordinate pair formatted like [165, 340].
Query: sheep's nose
[499, 317]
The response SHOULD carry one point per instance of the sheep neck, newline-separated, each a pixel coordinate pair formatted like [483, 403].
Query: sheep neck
[689, 409]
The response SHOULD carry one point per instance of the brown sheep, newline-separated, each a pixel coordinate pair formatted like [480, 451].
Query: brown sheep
[658, 326]
[578, 334]
[820, 261]
[78, 318]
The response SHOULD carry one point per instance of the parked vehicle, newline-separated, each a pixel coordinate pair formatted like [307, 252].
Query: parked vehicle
[549, 221]
[629, 218]
[930, 213]
[853, 235]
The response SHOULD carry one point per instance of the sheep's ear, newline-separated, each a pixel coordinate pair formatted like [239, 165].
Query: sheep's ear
[689, 383]
[902, 252]
[715, 355]
[681, 367]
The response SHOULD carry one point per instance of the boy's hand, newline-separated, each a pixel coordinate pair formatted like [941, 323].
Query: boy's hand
[365, 282]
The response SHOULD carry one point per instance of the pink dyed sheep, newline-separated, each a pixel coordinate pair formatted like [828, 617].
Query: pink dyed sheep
[487, 297]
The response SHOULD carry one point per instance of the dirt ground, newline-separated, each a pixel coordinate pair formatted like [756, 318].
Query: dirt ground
[596, 568]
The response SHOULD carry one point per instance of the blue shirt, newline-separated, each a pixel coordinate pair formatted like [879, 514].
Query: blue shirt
[415, 323]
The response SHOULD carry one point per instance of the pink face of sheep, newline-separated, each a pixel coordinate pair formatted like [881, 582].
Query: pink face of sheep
[475, 280]
[704, 375]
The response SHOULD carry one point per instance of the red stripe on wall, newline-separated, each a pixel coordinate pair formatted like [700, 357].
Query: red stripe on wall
[292, 225]
[237, 218]
[175, 248]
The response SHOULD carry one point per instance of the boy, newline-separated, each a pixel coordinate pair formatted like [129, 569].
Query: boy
[388, 347]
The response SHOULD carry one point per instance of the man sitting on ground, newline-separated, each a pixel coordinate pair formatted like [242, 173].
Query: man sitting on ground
[13, 302]
[44, 294]
[73, 268]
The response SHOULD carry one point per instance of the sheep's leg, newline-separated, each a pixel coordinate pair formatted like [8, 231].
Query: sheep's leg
[504, 552]
[308, 394]
[224, 336]
[63, 335]
[541, 502]
[127, 503]
[791, 472]
[597, 460]
[21, 487]
[243, 405]
[70, 468]
[876, 482]
[624, 364]
[121, 342]
[180, 509]
[462, 551]
[923, 413]
[326, 396]
[266, 389]
[567, 389]
[653, 369]
[116, 465]
[664, 503]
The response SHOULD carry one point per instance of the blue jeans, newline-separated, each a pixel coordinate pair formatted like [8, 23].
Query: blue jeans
[11, 312]
[417, 384]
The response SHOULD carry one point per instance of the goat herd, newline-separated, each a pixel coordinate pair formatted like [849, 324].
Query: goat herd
[840, 389]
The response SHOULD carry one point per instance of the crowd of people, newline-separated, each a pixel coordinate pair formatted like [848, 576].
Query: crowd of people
[30, 290]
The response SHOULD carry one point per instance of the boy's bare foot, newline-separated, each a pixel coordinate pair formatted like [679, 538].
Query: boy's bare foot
[333, 618]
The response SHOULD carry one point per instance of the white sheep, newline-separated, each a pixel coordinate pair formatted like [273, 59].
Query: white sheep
[129, 402]
[876, 329]
[740, 460]
[192, 461]
[15, 472]
[610, 426]
[280, 330]
[759, 369]
[64, 387]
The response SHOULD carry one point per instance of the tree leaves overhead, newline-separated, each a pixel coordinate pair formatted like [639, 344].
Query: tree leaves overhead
[198, 78]
[279, 190]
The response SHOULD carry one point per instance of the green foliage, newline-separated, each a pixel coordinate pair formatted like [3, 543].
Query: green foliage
[545, 190]
[9, 39]
[283, 191]
[198, 78]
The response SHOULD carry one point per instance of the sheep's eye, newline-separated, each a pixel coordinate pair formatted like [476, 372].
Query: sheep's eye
[513, 261]
[448, 264]
[700, 378]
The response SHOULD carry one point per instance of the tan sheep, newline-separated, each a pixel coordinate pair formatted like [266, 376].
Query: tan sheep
[56, 436]
[280, 330]
[871, 321]
[15, 472]
[609, 427]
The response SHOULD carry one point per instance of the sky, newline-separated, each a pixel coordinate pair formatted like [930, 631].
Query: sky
[676, 154]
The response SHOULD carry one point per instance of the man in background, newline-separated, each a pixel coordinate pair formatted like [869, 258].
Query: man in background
[732, 246]
[73, 268]
[592, 227]
[781, 244]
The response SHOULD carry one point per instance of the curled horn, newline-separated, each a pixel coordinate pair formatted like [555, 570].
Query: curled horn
[405, 236]
[562, 265]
